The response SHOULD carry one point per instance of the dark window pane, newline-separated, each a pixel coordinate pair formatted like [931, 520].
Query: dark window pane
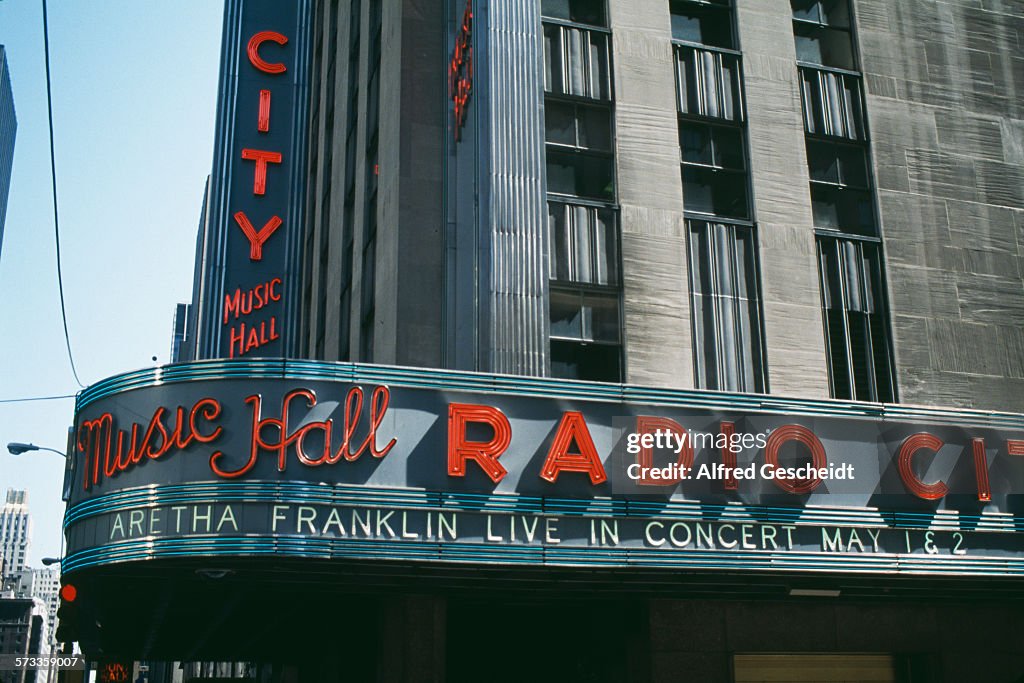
[695, 140]
[581, 175]
[824, 46]
[595, 128]
[836, 13]
[838, 361]
[593, 362]
[843, 209]
[822, 162]
[806, 10]
[718, 146]
[579, 11]
[566, 314]
[837, 164]
[559, 123]
[556, 9]
[602, 313]
[587, 316]
[729, 148]
[721, 193]
[707, 25]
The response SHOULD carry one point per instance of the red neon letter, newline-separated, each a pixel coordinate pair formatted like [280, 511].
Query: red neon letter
[806, 437]
[1015, 446]
[911, 446]
[256, 239]
[485, 453]
[981, 470]
[262, 158]
[573, 428]
[253, 50]
[645, 458]
[263, 119]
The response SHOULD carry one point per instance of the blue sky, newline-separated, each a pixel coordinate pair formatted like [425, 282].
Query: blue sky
[134, 97]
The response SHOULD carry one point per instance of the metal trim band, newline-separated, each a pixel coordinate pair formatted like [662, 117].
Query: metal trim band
[301, 370]
[154, 548]
[302, 493]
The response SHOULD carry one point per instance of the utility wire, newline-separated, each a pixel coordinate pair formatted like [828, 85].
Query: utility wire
[35, 398]
[53, 175]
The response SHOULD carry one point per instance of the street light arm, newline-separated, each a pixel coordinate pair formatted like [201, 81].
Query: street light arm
[17, 448]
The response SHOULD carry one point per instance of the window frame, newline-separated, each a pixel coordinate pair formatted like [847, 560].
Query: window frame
[758, 350]
[609, 81]
[740, 117]
[881, 300]
[708, 7]
[827, 122]
[614, 282]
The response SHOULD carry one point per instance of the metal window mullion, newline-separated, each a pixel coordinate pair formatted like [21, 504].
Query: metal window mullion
[700, 79]
[719, 68]
[823, 284]
[587, 67]
[714, 263]
[826, 120]
[844, 303]
[734, 303]
[870, 340]
[563, 48]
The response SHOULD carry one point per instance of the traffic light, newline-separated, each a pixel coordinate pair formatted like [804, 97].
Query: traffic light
[67, 614]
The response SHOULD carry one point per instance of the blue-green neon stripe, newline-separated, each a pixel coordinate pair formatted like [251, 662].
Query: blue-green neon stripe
[432, 551]
[307, 493]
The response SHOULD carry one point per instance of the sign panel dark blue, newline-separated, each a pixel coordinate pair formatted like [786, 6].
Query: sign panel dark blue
[250, 279]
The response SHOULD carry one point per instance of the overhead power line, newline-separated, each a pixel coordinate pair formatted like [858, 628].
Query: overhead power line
[53, 175]
[35, 398]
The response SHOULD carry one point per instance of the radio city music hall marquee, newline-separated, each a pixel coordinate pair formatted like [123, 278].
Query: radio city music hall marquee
[388, 466]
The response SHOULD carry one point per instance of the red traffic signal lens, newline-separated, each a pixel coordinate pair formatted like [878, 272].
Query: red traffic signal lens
[68, 593]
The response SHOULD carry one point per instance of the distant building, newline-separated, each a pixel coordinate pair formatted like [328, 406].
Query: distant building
[8, 127]
[22, 632]
[15, 533]
[43, 585]
[179, 336]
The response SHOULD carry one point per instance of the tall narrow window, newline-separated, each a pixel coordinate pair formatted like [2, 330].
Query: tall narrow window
[854, 309]
[726, 307]
[856, 324]
[583, 235]
[725, 298]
